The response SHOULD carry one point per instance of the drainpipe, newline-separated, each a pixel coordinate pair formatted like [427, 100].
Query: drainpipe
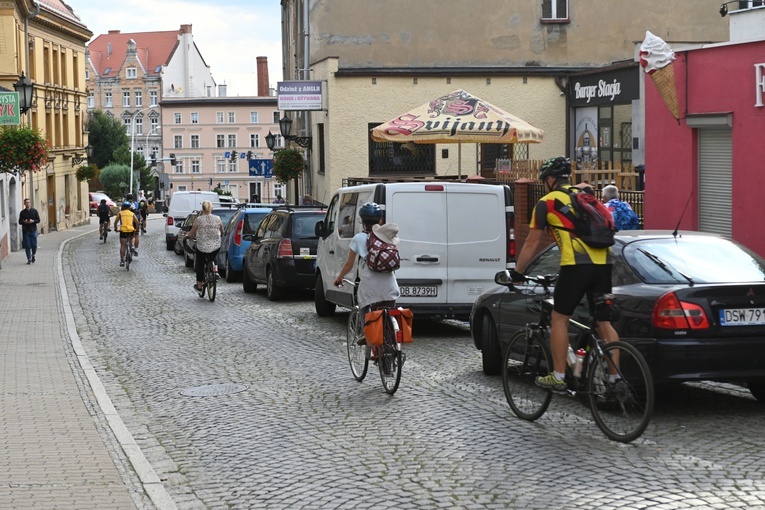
[29, 111]
[306, 74]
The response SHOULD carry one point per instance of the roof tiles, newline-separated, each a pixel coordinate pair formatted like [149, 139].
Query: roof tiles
[108, 51]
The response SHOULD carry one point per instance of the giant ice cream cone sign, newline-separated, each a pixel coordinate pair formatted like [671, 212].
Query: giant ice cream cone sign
[657, 59]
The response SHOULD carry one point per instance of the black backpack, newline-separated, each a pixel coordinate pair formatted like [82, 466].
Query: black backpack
[593, 224]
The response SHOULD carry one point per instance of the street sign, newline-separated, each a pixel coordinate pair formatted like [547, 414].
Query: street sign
[299, 95]
[239, 155]
[9, 109]
[262, 168]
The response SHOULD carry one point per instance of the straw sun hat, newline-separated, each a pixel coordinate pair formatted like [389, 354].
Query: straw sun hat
[387, 232]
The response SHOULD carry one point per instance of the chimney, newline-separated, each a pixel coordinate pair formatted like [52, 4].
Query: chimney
[262, 76]
[186, 29]
[114, 32]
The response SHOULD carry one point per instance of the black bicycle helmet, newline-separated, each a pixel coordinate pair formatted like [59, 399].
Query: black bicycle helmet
[555, 167]
[370, 212]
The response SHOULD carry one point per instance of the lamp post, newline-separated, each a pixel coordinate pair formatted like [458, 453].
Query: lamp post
[285, 126]
[76, 160]
[132, 142]
[25, 88]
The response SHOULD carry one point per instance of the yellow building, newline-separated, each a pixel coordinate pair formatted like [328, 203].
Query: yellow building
[46, 41]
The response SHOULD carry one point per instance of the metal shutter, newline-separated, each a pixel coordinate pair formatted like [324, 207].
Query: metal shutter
[715, 181]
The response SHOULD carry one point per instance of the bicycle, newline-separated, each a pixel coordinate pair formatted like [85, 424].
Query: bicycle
[388, 356]
[105, 227]
[614, 377]
[128, 251]
[210, 283]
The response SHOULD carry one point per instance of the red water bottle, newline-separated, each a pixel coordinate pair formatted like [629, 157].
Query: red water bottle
[580, 355]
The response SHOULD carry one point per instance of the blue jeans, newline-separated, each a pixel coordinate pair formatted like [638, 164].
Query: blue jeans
[30, 243]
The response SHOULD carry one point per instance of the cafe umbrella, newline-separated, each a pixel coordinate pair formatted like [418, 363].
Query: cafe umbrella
[455, 118]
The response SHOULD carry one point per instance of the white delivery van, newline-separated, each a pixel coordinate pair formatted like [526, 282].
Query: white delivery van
[454, 237]
[183, 203]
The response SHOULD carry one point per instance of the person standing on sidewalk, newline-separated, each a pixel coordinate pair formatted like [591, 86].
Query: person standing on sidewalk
[28, 219]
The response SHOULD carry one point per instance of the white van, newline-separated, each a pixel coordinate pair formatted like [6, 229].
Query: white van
[183, 203]
[454, 237]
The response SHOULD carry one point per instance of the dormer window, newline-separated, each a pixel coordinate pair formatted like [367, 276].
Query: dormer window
[131, 73]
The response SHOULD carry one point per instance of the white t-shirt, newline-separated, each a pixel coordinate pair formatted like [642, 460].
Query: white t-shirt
[374, 286]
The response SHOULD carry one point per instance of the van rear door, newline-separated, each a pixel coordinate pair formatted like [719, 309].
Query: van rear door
[476, 239]
[420, 211]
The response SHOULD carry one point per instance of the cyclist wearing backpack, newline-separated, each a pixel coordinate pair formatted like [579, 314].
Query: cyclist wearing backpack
[376, 289]
[584, 269]
[104, 217]
[624, 217]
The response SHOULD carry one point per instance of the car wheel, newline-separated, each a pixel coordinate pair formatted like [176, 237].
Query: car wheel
[323, 307]
[757, 388]
[188, 260]
[273, 292]
[222, 268]
[490, 351]
[170, 245]
[247, 284]
[176, 250]
[231, 275]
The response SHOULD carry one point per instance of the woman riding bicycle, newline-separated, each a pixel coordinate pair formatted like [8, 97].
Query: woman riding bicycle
[208, 229]
[376, 289]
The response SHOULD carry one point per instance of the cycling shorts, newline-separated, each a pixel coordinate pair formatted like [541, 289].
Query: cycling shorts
[574, 282]
[104, 220]
[126, 235]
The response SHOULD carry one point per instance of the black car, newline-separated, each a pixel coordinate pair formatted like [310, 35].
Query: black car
[190, 245]
[692, 303]
[283, 252]
[180, 241]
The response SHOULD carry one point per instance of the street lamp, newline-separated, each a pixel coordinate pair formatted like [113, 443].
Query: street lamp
[25, 88]
[132, 142]
[285, 126]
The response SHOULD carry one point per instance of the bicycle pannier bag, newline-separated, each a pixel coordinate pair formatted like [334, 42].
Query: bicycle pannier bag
[373, 327]
[405, 319]
[593, 224]
[381, 256]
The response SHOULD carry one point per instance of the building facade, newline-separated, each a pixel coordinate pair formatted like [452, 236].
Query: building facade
[220, 142]
[46, 41]
[711, 159]
[128, 74]
[515, 43]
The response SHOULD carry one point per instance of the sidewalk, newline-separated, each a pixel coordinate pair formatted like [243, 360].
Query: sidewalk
[53, 410]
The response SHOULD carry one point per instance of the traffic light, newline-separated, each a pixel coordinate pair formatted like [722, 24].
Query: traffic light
[249, 155]
[153, 160]
[173, 161]
[233, 156]
[210, 181]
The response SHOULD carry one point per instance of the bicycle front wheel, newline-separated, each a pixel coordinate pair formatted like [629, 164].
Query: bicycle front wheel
[128, 258]
[212, 286]
[621, 393]
[390, 360]
[357, 354]
[527, 357]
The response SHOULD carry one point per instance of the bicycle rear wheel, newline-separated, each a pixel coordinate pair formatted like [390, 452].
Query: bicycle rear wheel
[527, 357]
[357, 354]
[106, 232]
[212, 286]
[128, 256]
[622, 409]
[390, 360]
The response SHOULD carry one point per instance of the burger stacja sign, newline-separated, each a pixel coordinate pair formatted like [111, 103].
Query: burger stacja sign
[618, 86]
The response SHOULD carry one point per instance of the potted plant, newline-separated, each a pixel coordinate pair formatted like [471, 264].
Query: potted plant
[87, 172]
[22, 148]
[289, 164]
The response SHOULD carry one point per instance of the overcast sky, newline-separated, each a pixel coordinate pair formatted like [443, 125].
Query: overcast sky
[230, 34]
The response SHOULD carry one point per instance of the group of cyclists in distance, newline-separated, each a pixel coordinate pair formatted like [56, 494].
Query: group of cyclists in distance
[128, 222]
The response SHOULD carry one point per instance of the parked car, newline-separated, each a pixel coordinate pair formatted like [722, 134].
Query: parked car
[283, 252]
[692, 303]
[95, 200]
[180, 241]
[190, 245]
[237, 238]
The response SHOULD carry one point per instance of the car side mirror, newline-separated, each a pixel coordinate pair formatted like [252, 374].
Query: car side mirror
[503, 278]
[320, 229]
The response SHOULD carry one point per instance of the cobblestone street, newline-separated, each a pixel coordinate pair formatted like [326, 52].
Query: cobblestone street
[247, 403]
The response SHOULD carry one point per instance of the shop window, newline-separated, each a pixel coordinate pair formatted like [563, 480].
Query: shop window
[390, 158]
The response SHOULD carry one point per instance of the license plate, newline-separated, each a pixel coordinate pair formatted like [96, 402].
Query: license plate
[429, 291]
[742, 317]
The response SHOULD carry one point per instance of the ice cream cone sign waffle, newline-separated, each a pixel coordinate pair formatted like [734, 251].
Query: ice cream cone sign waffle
[657, 58]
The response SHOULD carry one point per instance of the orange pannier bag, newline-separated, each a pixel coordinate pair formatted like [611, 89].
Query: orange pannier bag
[405, 319]
[373, 327]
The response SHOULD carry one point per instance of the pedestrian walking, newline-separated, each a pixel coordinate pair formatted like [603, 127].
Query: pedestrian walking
[28, 219]
[624, 217]
[278, 200]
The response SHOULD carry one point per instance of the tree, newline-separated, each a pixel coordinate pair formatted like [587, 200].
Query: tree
[22, 148]
[115, 180]
[145, 179]
[106, 134]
